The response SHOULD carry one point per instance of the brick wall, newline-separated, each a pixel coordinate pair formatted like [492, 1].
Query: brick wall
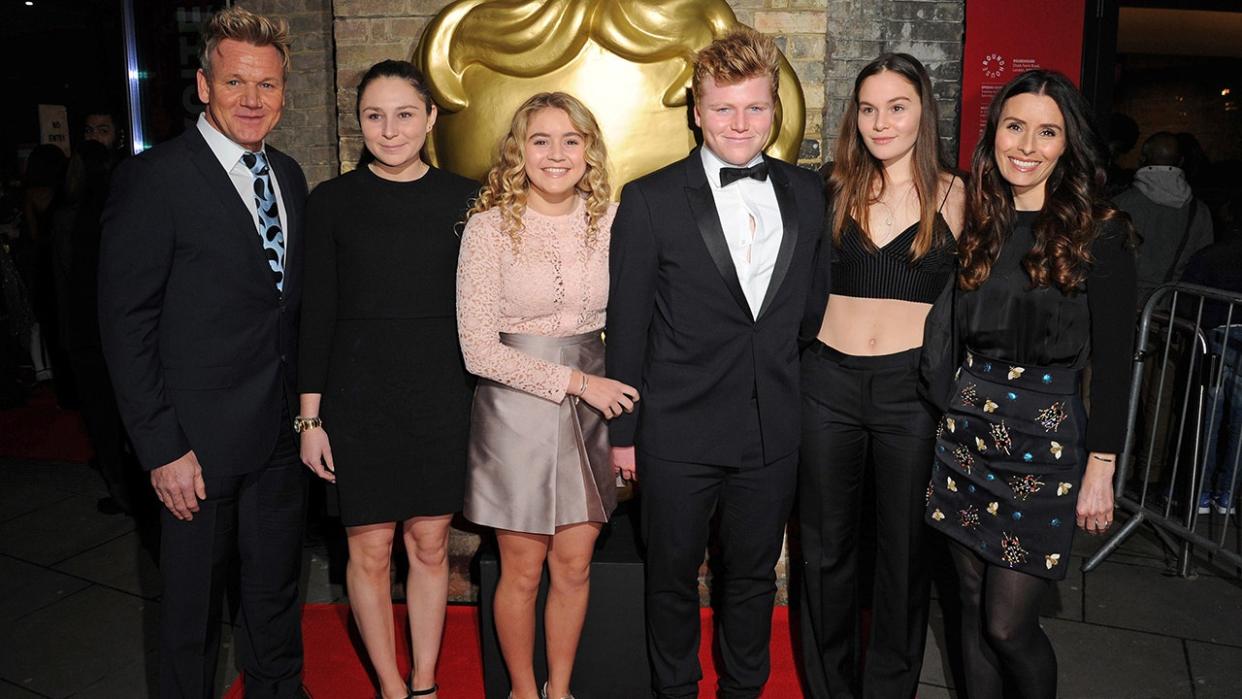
[307, 130]
[860, 30]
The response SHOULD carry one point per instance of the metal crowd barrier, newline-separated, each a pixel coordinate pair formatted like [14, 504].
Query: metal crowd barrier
[1186, 383]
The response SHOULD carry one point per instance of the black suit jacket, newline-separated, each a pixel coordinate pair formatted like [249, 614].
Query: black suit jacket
[200, 344]
[679, 327]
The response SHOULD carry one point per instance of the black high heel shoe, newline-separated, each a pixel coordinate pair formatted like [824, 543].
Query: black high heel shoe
[424, 692]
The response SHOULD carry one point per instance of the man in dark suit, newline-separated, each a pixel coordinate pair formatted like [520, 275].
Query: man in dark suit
[710, 267]
[199, 288]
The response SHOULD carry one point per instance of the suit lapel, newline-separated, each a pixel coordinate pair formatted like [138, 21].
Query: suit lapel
[789, 240]
[221, 186]
[703, 208]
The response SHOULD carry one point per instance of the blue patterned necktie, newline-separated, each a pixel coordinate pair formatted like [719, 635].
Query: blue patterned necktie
[269, 215]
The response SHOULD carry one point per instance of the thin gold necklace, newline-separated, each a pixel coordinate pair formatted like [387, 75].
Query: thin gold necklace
[891, 214]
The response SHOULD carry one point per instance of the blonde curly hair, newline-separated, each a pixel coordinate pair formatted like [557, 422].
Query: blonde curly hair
[506, 185]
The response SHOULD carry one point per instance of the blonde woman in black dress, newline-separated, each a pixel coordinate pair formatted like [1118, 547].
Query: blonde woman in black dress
[380, 359]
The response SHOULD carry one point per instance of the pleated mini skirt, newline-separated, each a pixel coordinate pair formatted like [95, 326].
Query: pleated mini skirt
[533, 465]
[1008, 464]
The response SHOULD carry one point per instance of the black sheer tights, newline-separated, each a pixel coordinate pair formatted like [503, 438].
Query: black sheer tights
[1002, 643]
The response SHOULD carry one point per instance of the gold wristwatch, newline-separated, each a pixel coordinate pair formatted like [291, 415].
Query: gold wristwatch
[301, 424]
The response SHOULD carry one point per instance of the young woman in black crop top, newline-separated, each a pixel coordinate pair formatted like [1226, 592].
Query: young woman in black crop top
[896, 208]
[1047, 287]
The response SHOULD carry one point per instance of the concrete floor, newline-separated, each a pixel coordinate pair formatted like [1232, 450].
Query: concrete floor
[79, 598]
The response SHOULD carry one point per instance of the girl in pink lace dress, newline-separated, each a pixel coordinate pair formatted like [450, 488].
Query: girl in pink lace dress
[532, 286]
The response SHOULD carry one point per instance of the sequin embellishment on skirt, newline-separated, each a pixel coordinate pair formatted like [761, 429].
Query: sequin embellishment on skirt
[1024, 487]
[1050, 418]
[1012, 552]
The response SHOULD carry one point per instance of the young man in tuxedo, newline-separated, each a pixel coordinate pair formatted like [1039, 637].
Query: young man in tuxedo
[199, 289]
[711, 263]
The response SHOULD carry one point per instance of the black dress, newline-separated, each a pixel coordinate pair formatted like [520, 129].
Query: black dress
[379, 341]
[1012, 447]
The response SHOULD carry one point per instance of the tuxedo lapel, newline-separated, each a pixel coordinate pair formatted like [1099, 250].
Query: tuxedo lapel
[222, 188]
[703, 208]
[789, 239]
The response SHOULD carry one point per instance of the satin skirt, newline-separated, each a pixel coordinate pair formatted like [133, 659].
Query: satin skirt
[534, 465]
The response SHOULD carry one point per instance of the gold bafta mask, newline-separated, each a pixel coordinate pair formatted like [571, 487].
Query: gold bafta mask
[629, 61]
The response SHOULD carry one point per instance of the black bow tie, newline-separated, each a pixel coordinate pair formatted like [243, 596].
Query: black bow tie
[758, 171]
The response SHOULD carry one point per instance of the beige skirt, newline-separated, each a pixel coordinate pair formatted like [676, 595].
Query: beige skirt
[534, 465]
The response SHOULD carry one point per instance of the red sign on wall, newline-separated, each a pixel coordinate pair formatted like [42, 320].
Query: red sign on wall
[1006, 38]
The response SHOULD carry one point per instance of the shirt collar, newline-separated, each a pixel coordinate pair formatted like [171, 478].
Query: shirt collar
[712, 164]
[227, 151]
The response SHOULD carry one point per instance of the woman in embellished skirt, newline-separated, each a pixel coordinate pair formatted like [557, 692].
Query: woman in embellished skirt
[1047, 288]
[532, 287]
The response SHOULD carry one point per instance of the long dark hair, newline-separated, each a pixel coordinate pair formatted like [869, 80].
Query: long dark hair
[856, 172]
[390, 69]
[1074, 206]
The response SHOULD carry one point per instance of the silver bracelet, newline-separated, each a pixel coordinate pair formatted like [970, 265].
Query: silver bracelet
[582, 388]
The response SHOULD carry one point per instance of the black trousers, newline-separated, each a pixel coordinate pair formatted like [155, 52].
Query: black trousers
[862, 414]
[678, 503]
[260, 517]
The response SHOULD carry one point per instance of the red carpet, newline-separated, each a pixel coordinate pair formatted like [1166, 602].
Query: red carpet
[334, 668]
[41, 431]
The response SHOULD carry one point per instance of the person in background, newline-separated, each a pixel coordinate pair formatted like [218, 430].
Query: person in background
[1047, 289]
[104, 127]
[381, 370]
[1123, 133]
[42, 181]
[532, 286]
[896, 210]
[86, 192]
[76, 228]
[1172, 224]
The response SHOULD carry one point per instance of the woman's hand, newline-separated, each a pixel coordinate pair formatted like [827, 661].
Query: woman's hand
[317, 454]
[623, 463]
[1095, 500]
[606, 395]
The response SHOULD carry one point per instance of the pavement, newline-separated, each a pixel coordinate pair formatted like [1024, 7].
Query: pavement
[79, 601]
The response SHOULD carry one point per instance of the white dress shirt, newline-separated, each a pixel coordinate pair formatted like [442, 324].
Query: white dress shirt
[230, 154]
[753, 247]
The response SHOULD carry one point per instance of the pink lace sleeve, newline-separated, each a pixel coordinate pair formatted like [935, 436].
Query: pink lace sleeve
[480, 286]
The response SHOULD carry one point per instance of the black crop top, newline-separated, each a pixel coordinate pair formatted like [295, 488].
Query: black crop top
[888, 273]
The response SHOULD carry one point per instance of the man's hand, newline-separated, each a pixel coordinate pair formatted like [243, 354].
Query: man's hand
[179, 485]
[623, 463]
